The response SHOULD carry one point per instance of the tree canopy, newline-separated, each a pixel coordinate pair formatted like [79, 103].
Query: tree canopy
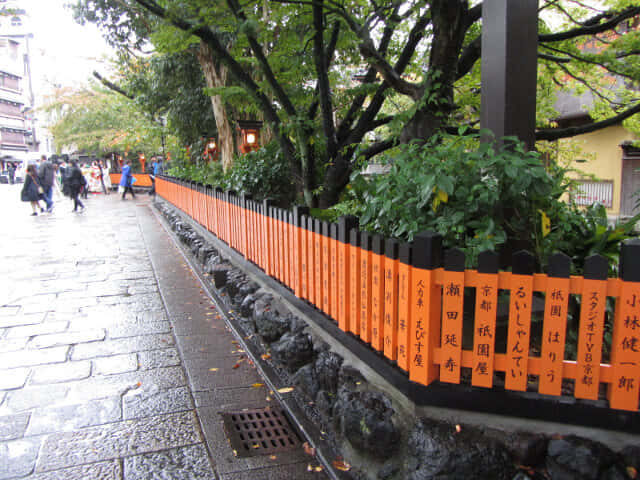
[339, 81]
[97, 120]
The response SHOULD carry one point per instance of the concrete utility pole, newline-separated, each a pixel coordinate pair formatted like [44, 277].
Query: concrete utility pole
[509, 68]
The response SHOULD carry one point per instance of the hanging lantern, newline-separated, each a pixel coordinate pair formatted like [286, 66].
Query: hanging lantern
[210, 150]
[249, 135]
[142, 160]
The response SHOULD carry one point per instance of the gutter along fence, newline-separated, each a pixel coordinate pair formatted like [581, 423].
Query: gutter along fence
[410, 301]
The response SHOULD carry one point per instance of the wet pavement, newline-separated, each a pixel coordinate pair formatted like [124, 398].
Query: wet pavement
[114, 362]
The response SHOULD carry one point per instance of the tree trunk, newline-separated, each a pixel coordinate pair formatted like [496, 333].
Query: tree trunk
[447, 17]
[217, 77]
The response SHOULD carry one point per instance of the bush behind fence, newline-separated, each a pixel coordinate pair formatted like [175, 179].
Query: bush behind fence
[417, 305]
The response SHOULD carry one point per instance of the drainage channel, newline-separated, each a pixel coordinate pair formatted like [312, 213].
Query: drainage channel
[304, 427]
[261, 431]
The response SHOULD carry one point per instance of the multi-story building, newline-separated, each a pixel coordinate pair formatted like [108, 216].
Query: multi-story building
[17, 131]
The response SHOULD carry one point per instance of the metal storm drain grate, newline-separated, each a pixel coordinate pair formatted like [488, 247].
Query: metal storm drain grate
[259, 432]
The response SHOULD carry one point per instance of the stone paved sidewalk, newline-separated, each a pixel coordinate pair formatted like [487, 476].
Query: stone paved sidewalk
[114, 363]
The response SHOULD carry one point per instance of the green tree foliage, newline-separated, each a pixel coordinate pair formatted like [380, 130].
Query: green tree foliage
[328, 76]
[171, 85]
[98, 120]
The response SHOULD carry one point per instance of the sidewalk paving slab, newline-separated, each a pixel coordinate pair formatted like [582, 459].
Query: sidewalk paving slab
[114, 362]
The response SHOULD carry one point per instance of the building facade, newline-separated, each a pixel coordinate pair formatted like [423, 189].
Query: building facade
[18, 140]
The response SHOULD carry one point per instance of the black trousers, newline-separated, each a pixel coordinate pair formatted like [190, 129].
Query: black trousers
[76, 201]
[128, 189]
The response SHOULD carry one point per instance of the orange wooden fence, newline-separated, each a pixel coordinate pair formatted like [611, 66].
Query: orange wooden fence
[408, 300]
[142, 179]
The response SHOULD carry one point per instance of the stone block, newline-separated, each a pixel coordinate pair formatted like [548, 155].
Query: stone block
[116, 364]
[13, 426]
[67, 338]
[185, 463]
[71, 417]
[13, 378]
[27, 358]
[119, 439]
[146, 402]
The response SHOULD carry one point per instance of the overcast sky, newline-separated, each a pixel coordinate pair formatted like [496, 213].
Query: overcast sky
[62, 51]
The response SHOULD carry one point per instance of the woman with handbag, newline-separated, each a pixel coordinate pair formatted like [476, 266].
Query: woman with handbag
[31, 190]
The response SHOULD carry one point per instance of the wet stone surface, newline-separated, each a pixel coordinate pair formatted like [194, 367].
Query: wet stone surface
[13, 426]
[144, 403]
[118, 439]
[93, 384]
[187, 463]
[70, 417]
[110, 470]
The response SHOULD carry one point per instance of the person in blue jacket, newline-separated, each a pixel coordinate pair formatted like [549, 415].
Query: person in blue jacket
[125, 180]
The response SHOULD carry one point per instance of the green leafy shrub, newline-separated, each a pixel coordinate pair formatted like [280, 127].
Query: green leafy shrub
[264, 174]
[208, 173]
[481, 199]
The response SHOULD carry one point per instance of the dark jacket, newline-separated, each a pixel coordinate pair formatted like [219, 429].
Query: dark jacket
[29, 191]
[46, 175]
[75, 180]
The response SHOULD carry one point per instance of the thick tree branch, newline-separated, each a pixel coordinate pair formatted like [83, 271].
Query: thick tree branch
[377, 148]
[557, 133]
[256, 48]
[324, 89]
[473, 15]
[469, 57]
[113, 86]
[553, 58]
[592, 27]
[369, 77]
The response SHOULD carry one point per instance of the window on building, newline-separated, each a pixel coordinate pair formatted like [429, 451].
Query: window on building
[16, 21]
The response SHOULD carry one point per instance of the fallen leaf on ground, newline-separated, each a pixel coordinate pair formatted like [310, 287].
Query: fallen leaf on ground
[340, 464]
[257, 385]
[266, 356]
[318, 468]
[237, 365]
[285, 390]
[213, 369]
[273, 457]
[632, 472]
[308, 449]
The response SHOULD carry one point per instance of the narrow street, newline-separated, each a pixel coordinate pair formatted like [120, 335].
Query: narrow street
[114, 363]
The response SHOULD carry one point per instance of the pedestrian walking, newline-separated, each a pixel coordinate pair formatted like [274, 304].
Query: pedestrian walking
[75, 182]
[155, 165]
[31, 190]
[47, 177]
[125, 180]
[101, 176]
[11, 168]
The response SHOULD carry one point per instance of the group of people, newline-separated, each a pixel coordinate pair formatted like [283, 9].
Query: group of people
[42, 179]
